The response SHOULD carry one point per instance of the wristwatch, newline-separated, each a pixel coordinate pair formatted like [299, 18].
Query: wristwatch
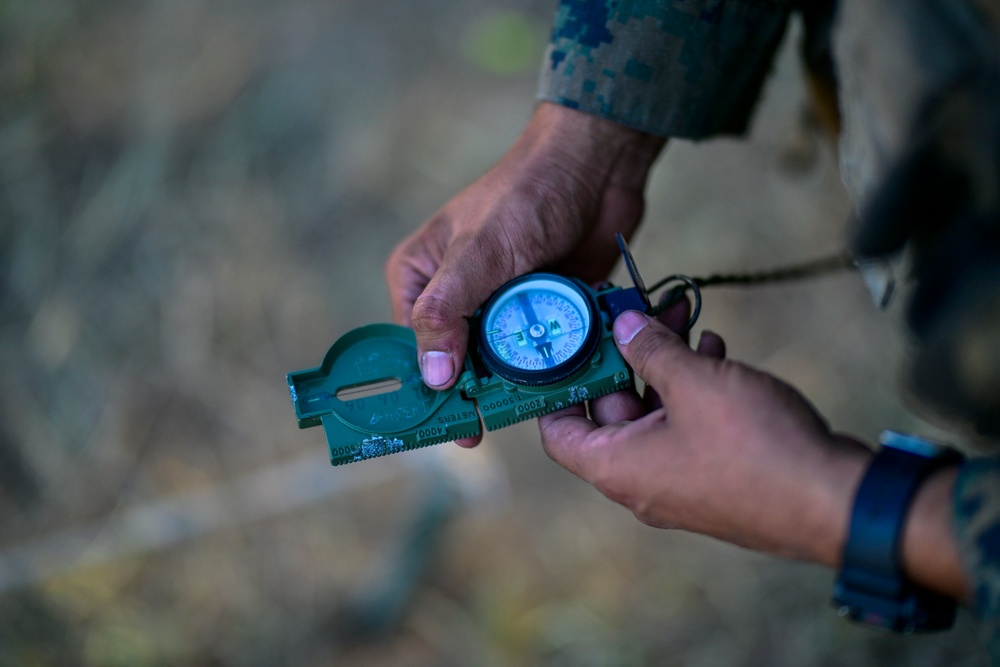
[871, 587]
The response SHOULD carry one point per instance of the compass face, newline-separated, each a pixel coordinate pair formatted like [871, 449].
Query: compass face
[538, 329]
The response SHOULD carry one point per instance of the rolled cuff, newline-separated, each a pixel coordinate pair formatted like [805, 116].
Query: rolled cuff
[680, 68]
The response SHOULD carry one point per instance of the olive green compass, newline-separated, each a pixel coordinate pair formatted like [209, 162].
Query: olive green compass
[541, 343]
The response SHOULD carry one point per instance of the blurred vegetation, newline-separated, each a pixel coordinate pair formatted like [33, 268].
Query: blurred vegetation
[197, 197]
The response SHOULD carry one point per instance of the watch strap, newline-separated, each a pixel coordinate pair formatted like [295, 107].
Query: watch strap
[872, 587]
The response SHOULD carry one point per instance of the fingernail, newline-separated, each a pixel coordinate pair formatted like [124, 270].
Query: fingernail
[628, 324]
[436, 368]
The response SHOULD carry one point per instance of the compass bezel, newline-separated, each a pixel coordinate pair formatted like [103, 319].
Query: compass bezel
[544, 376]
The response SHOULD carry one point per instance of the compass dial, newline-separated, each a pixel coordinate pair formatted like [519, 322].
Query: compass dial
[538, 329]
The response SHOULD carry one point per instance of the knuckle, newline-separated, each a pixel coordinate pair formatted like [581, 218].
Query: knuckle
[396, 262]
[606, 471]
[400, 251]
[432, 314]
[640, 509]
[615, 491]
[555, 434]
[648, 517]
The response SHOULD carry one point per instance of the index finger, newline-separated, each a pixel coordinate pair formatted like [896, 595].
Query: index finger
[564, 433]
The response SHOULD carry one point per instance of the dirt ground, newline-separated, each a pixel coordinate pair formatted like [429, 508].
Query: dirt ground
[197, 197]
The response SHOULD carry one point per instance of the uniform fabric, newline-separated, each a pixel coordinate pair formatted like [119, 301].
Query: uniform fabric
[683, 68]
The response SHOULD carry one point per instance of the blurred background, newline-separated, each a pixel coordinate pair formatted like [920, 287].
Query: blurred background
[198, 196]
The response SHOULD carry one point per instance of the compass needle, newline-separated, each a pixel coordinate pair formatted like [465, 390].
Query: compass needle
[550, 308]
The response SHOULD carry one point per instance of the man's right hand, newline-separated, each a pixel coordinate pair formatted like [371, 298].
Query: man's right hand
[555, 200]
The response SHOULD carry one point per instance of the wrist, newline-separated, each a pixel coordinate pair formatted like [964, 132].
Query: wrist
[599, 151]
[899, 567]
[929, 550]
[808, 500]
[839, 473]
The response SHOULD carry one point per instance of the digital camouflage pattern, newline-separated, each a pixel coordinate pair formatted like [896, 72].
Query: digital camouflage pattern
[678, 68]
[694, 68]
[977, 518]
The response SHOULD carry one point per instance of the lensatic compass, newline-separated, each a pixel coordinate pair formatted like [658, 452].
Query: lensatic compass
[541, 343]
[538, 329]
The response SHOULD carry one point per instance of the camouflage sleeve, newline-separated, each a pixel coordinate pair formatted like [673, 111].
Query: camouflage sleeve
[679, 68]
[977, 518]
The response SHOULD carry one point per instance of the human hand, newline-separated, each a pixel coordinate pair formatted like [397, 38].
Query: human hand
[554, 200]
[730, 452]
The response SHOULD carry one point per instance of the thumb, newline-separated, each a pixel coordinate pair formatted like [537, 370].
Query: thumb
[440, 319]
[650, 348]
